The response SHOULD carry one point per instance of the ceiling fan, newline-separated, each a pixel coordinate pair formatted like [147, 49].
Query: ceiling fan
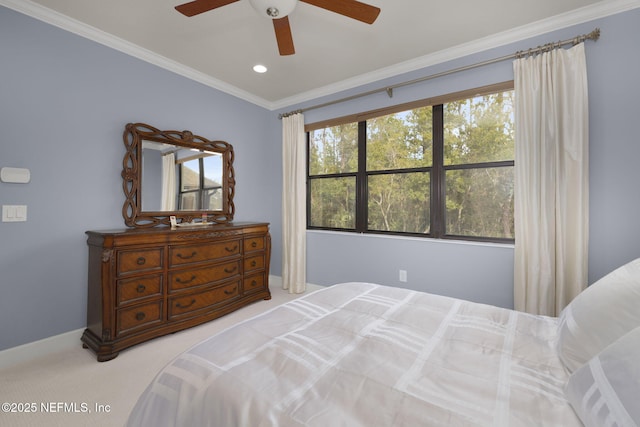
[278, 11]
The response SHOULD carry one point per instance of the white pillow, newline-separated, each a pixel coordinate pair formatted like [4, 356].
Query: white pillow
[600, 315]
[606, 390]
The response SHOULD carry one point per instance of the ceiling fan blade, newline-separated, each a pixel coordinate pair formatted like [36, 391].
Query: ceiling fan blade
[283, 36]
[200, 6]
[350, 8]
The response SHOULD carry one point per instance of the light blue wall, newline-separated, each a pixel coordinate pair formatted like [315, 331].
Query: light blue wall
[484, 273]
[64, 102]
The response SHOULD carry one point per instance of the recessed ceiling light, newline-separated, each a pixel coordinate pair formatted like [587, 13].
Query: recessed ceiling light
[259, 68]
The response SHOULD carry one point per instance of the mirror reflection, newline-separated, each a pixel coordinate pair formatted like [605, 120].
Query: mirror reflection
[178, 178]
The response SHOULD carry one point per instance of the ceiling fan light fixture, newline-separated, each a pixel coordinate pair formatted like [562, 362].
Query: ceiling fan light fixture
[273, 9]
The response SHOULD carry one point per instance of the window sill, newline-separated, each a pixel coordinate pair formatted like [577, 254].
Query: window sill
[413, 238]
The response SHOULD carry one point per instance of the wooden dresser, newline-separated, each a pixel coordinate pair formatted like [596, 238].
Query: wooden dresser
[145, 283]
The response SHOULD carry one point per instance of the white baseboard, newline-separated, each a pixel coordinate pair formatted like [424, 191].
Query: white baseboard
[64, 341]
[275, 282]
[32, 350]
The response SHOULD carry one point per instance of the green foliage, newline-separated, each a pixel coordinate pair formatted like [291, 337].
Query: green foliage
[479, 129]
[334, 150]
[400, 141]
[333, 202]
[400, 202]
[479, 201]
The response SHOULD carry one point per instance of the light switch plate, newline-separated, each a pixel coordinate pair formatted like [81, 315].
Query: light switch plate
[14, 213]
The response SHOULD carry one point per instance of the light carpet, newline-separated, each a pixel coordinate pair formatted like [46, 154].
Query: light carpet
[70, 388]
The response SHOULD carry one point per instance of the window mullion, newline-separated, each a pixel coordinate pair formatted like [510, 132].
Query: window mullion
[361, 180]
[437, 178]
[308, 167]
[201, 189]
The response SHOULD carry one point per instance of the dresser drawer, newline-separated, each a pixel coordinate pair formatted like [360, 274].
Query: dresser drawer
[182, 306]
[254, 244]
[130, 319]
[254, 263]
[253, 283]
[131, 290]
[181, 255]
[199, 276]
[142, 260]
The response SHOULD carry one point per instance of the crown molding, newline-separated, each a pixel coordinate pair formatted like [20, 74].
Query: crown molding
[74, 26]
[578, 16]
[585, 14]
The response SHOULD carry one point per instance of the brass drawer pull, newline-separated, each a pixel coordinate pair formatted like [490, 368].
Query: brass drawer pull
[187, 256]
[230, 291]
[141, 261]
[140, 315]
[179, 280]
[141, 288]
[254, 244]
[253, 263]
[179, 305]
[254, 282]
[231, 270]
[231, 250]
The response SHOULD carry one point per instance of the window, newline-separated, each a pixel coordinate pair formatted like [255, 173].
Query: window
[200, 186]
[442, 170]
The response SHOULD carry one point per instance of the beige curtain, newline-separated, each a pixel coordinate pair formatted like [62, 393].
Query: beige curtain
[551, 180]
[169, 184]
[294, 213]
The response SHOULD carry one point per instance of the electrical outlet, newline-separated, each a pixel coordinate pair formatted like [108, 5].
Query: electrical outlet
[403, 275]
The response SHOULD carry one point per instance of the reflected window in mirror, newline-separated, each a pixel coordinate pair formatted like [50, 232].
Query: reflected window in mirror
[201, 182]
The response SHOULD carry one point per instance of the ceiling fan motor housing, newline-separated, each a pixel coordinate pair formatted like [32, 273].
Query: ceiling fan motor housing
[273, 9]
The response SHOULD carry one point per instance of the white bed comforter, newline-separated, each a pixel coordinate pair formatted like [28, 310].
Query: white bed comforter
[359, 354]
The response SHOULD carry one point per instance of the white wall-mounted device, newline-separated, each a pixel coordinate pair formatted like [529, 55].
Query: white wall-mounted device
[15, 175]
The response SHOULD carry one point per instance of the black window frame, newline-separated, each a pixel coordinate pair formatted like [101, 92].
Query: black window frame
[437, 171]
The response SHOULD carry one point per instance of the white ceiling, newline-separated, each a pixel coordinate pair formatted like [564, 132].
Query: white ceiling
[333, 53]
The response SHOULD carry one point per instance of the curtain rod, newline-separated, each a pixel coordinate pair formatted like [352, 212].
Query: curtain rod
[594, 35]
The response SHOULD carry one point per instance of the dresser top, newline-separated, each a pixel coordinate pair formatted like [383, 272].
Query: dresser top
[169, 234]
[165, 229]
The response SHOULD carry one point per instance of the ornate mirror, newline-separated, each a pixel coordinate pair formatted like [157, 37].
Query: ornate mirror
[173, 173]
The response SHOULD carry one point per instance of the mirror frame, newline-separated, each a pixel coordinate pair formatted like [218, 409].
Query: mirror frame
[132, 212]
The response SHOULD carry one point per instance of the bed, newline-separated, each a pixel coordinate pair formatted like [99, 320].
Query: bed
[363, 354]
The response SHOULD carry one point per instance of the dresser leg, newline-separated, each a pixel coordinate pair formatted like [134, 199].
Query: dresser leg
[107, 357]
[103, 351]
